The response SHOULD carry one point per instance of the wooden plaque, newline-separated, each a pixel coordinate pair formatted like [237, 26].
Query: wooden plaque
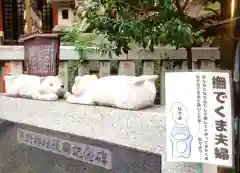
[41, 54]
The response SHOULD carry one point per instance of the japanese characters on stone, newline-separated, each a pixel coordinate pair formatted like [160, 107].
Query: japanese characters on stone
[86, 153]
[221, 137]
[41, 59]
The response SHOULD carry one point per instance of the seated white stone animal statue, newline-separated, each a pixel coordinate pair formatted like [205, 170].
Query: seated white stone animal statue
[124, 92]
[34, 87]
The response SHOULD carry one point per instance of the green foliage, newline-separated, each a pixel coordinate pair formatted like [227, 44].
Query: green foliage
[122, 24]
[162, 27]
[83, 45]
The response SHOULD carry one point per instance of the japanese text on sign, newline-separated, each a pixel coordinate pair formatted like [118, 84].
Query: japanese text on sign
[199, 117]
[80, 151]
[221, 137]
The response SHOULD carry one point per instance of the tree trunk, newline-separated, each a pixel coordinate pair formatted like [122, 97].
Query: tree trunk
[189, 58]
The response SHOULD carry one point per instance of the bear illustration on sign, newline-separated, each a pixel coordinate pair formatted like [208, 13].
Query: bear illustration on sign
[180, 137]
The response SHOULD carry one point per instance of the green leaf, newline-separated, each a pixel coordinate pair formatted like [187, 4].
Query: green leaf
[162, 28]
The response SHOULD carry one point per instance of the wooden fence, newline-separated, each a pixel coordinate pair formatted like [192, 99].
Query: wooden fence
[136, 63]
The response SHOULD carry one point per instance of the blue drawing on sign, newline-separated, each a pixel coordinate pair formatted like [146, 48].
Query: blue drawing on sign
[180, 137]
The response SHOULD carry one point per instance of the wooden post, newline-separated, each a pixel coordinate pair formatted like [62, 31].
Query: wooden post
[55, 16]
[28, 15]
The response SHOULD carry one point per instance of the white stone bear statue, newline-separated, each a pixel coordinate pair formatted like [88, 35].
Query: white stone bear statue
[34, 87]
[124, 92]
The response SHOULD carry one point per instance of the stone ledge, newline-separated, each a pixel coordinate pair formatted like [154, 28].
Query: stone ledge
[69, 53]
[108, 124]
[142, 130]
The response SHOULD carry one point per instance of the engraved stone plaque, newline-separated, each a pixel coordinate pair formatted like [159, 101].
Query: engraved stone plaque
[126, 68]
[41, 53]
[79, 151]
[39, 150]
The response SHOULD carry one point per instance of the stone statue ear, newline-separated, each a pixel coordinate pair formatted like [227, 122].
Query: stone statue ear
[42, 79]
[41, 87]
[77, 79]
[40, 90]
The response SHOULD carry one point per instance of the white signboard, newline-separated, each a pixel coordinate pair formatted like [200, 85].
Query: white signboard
[83, 152]
[199, 117]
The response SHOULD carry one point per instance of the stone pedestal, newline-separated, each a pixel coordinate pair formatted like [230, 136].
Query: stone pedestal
[134, 140]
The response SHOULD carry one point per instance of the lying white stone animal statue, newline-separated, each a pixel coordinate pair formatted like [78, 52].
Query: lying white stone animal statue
[34, 87]
[125, 92]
